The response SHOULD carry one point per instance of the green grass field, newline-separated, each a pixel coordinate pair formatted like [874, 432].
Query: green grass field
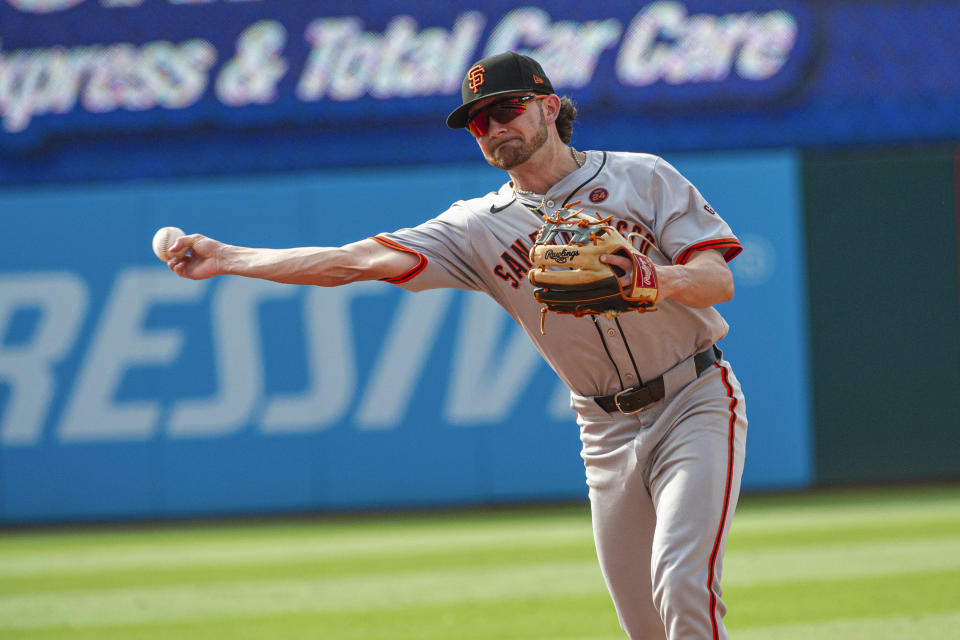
[850, 565]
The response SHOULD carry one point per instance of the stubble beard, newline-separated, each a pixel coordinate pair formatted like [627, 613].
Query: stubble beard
[507, 156]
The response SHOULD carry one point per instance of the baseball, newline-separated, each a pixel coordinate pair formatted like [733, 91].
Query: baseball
[163, 239]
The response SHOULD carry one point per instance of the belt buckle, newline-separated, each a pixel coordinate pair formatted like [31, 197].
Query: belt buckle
[616, 401]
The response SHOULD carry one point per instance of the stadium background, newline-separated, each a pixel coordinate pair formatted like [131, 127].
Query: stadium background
[827, 137]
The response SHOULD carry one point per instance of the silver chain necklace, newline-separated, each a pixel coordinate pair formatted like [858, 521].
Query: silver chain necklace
[576, 157]
[531, 194]
[524, 192]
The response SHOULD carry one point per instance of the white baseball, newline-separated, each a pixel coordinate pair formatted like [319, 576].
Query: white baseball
[163, 239]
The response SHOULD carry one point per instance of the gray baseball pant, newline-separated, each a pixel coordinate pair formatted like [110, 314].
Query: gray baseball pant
[663, 486]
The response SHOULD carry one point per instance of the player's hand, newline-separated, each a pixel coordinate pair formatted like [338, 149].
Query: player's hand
[623, 265]
[201, 257]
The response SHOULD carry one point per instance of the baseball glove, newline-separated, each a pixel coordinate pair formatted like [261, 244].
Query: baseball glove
[570, 278]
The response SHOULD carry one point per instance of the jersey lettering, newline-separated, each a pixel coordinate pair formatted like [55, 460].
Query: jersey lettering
[522, 251]
[517, 267]
[519, 264]
[506, 277]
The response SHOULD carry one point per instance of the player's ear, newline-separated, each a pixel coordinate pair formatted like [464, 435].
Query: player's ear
[551, 108]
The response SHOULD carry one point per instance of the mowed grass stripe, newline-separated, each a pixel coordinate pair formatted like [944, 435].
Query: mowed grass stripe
[915, 627]
[519, 618]
[794, 520]
[264, 597]
[903, 594]
[827, 562]
[143, 550]
[924, 627]
[292, 568]
[878, 528]
[348, 529]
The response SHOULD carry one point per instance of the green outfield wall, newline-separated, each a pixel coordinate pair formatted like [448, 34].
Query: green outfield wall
[881, 234]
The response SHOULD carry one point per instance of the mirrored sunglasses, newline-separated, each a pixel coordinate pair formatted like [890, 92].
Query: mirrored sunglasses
[503, 111]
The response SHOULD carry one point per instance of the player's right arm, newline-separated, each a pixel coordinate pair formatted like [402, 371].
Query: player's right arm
[323, 266]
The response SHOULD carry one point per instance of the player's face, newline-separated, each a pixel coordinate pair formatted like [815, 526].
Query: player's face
[507, 131]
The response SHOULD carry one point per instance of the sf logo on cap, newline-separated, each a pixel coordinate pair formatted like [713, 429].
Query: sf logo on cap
[475, 77]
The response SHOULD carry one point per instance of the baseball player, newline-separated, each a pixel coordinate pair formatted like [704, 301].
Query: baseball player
[661, 414]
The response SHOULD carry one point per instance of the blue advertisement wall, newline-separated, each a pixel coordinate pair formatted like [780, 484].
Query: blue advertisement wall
[121, 89]
[128, 392]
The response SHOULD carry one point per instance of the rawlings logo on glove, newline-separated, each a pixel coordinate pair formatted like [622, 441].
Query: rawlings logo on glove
[570, 278]
[562, 256]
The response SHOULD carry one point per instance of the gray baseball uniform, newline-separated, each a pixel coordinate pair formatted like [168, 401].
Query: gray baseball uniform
[663, 463]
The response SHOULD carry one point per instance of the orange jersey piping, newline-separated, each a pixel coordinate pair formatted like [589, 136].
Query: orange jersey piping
[412, 273]
[732, 246]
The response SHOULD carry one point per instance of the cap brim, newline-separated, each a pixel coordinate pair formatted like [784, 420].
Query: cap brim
[458, 118]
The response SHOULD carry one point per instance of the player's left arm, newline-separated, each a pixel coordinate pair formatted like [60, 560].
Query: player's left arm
[703, 281]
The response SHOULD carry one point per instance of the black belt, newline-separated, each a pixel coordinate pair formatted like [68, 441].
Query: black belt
[635, 398]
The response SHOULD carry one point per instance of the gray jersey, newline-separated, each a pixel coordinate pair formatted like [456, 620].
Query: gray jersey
[483, 244]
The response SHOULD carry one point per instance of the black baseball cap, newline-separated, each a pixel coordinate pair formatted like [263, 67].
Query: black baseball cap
[507, 72]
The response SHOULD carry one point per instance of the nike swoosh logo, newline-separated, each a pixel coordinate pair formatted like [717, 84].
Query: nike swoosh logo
[496, 209]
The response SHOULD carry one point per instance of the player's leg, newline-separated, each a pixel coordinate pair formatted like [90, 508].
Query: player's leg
[623, 520]
[694, 483]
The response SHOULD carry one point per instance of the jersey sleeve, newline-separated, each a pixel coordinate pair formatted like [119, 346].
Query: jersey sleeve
[686, 223]
[444, 251]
